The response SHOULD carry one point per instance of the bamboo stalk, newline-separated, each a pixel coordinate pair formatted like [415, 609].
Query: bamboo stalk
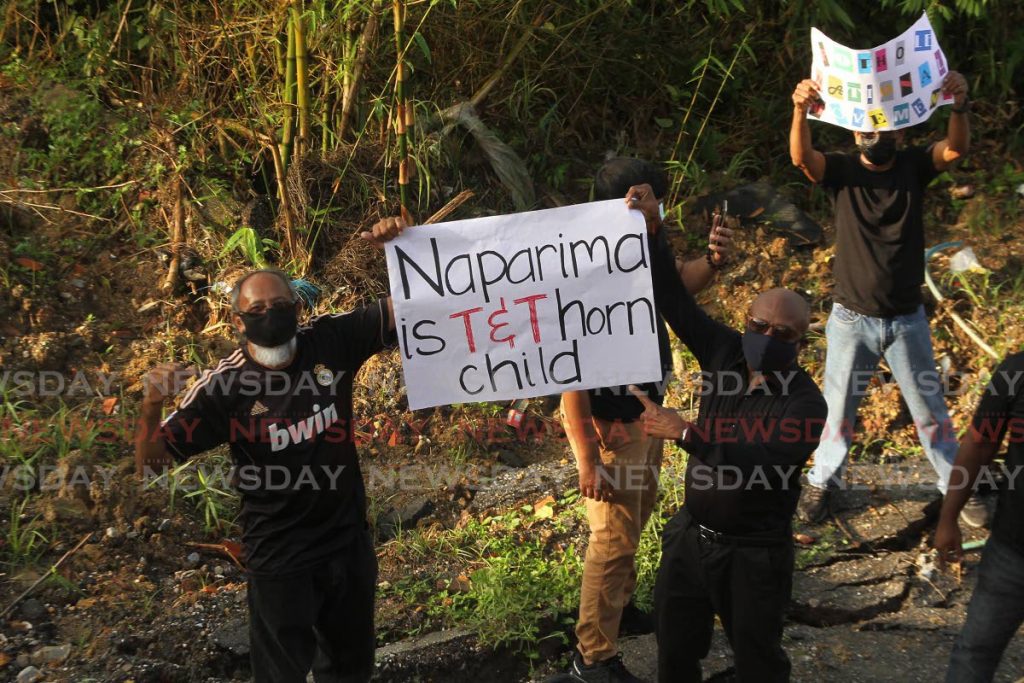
[286, 204]
[117, 34]
[10, 16]
[301, 78]
[279, 59]
[177, 234]
[290, 241]
[325, 121]
[288, 128]
[449, 208]
[348, 58]
[365, 44]
[718, 94]
[400, 106]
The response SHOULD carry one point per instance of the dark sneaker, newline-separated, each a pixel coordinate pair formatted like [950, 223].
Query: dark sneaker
[814, 505]
[976, 513]
[635, 621]
[610, 670]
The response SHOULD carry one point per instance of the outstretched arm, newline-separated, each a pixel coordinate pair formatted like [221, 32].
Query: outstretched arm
[384, 231]
[788, 440]
[691, 324]
[801, 149]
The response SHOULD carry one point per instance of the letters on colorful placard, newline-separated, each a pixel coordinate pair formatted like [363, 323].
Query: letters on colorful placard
[887, 87]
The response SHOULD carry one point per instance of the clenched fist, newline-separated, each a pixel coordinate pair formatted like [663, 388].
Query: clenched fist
[164, 381]
[806, 95]
[384, 231]
[956, 85]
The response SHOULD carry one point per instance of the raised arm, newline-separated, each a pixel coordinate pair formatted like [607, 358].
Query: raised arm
[695, 328]
[801, 149]
[698, 273]
[947, 152]
[691, 324]
[381, 232]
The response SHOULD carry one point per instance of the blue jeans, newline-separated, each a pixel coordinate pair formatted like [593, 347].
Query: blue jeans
[995, 612]
[855, 344]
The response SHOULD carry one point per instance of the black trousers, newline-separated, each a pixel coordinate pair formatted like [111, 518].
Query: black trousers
[319, 619]
[748, 588]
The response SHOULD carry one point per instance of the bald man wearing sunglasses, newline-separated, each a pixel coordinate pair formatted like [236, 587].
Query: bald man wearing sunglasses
[729, 551]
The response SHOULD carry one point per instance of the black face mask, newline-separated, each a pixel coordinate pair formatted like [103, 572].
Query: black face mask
[879, 151]
[767, 354]
[273, 327]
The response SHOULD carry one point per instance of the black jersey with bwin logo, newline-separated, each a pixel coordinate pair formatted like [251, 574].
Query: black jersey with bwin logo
[290, 435]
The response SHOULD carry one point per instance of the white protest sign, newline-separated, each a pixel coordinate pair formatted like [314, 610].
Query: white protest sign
[887, 87]
[524, 305]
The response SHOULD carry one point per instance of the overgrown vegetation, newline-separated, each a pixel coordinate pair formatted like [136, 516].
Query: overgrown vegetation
[146, 127]
[245, 91]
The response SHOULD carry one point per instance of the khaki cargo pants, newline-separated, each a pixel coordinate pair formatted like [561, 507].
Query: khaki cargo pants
[633, 461]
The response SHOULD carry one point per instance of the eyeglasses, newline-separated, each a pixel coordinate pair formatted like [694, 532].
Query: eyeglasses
[783, 332]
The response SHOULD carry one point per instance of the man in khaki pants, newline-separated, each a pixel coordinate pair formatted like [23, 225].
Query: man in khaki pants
[619, 464]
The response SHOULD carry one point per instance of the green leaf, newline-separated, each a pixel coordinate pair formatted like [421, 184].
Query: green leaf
[663, 122]
[421, 42]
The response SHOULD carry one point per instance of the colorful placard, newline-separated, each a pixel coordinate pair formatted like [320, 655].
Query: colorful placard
[887, 87]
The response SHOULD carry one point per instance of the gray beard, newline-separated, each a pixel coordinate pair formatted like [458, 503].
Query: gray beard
[274, 356]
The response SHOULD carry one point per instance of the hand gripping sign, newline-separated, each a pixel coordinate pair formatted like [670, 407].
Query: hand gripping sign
[887, 87]
[524, 305]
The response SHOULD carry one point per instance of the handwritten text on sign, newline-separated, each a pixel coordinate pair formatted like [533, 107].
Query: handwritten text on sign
[524, 305]
[887, 87]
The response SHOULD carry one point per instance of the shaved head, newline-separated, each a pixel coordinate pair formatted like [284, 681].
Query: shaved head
[781, 307]
[258, 290]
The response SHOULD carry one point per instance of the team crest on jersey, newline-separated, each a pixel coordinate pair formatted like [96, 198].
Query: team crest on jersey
[324, 377]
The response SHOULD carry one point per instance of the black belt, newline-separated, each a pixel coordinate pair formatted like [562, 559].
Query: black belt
[711, 536]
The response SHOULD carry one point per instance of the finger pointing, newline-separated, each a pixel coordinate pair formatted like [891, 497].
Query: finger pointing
[642, 396]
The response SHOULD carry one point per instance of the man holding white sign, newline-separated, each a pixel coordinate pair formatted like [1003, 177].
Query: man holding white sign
[283, 403]
[728, 551]
[878, 194]
[618, 464]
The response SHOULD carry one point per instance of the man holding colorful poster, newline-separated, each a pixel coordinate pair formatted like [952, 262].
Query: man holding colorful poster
[878, 194]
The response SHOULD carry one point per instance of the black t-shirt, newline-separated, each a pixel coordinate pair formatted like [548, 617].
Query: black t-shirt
[617, 403]
[747, 448]
[1001, 412]
[879, 264]
[290, 434]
